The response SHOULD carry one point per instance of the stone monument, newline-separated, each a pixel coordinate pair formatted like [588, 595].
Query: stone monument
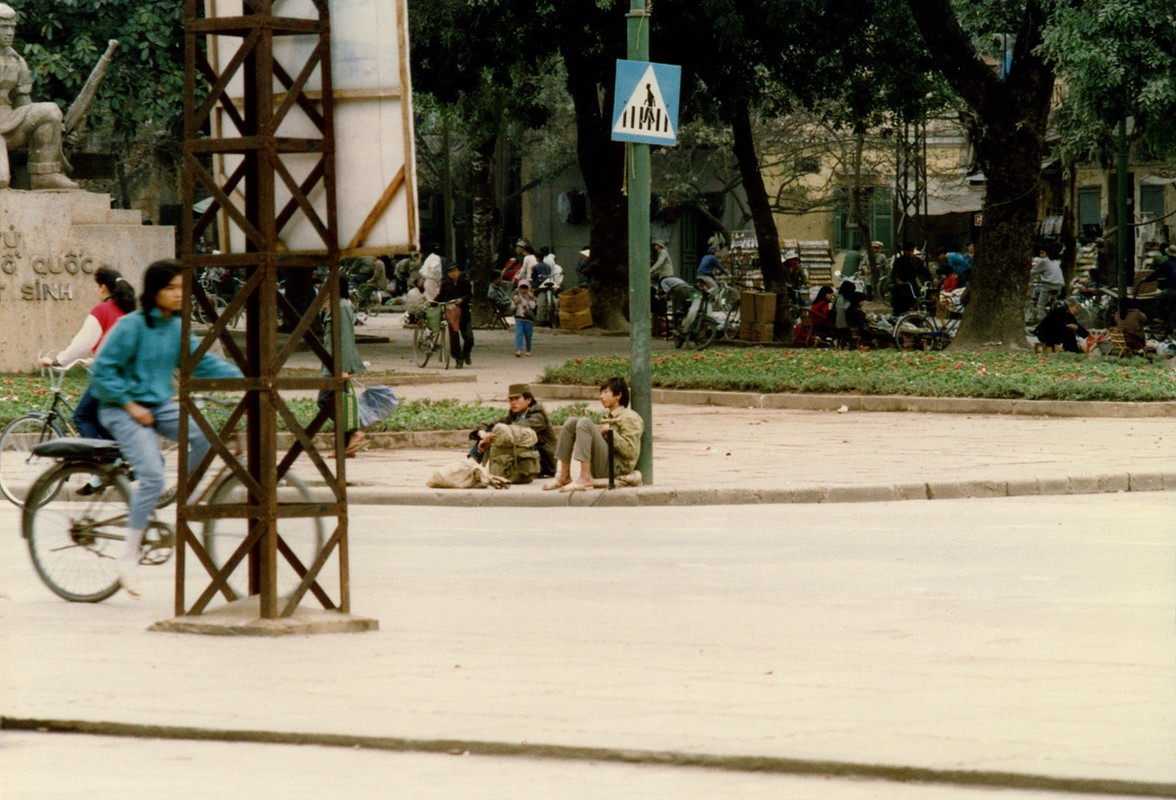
[55, 236]
[25, 125]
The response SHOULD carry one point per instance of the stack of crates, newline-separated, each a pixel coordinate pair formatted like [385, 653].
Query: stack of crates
[575, 309]
[757, 316]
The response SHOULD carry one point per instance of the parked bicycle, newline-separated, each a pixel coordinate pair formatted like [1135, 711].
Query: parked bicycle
[75, 518]
[930, 328]
[220, 285]
[19, 466]
[1096, 308]
[431, 334]
[547, 304]
[368, 301]
[1035, 301]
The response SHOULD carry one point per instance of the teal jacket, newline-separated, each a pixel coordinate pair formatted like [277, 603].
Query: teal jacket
[350, 362]
[138, 363]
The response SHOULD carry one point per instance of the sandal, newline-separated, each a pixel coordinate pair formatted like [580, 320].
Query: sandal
[358, 442]
[575, 487]
[554, 486]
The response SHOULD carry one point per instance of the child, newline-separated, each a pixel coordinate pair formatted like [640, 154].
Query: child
[524, 316]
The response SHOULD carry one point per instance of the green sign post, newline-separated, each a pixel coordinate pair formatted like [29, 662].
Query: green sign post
[645, 112]
[640, 324]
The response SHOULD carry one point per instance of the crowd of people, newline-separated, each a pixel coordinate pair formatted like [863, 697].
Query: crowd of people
[834, 313]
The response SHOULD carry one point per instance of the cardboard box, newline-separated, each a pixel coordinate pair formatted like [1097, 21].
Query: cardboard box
[575, 299]
[765, 307]
[747, 307]
[575, 320]
[757, 332]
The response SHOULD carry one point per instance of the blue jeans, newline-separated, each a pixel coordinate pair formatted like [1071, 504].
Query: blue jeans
[85, 417]
[140, 447]
[524, 328]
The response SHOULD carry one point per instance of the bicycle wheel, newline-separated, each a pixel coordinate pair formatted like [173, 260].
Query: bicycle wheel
[422, 345]
[443, 344]
[222, 537]
[701, 337]
[926, 331]
[1030, 313]
[727, 300]
[911, 329]
[18, 466]
[731, 324]
[75, 533]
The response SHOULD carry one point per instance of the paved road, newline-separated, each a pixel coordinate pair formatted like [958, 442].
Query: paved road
[1028, 636]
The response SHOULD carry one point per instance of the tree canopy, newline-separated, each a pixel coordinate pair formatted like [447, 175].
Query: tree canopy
[143, 91]
[1117, 59]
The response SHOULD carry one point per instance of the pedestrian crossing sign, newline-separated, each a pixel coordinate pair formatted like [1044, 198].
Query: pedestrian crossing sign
[645, 108]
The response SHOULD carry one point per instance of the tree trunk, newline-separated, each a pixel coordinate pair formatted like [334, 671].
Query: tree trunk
[485, 232]
[602, 164]
[1009, 135]
[767, 239]
[1000, 276]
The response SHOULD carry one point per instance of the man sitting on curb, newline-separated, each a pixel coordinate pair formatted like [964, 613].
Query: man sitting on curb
[525, 410]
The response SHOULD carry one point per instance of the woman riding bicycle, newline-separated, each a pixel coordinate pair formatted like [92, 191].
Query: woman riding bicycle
[132, 377]
[116, 298]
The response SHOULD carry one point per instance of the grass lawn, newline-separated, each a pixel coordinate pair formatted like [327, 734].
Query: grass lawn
[1058, 376]
[30, 392]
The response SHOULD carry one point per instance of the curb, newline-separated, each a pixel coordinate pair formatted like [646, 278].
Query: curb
[652, 496]
[778, 765]
[881, 402]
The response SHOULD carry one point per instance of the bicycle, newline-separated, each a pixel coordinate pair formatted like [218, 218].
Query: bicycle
[432, 333]
[725, 301]
[696, 329]
[368, 301]
[547, 304]
[18, 464]
[208, 281]
[76, 511]
[928, 330]
[1033, 301]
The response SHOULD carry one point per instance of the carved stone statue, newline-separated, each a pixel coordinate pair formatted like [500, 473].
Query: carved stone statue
[25, 125]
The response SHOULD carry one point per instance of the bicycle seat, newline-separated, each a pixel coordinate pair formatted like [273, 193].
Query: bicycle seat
[96, 449]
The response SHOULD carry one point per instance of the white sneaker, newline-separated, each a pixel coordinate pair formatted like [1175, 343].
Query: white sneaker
[129, 580]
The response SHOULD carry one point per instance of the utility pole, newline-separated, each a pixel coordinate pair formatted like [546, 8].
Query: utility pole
[637, 179]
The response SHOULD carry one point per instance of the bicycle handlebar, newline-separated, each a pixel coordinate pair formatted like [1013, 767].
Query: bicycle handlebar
[53, 365]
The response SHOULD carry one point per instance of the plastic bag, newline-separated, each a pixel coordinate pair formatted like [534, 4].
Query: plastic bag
[453, 317]
[376, 403]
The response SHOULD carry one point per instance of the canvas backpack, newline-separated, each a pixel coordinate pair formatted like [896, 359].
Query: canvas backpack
[513, 455]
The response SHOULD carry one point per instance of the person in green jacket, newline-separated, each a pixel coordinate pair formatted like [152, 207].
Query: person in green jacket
[351, 363]
[133, 379]
[582, 440]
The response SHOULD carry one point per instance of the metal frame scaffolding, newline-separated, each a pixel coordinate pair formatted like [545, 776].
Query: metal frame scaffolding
[910, 184]
[248, 198]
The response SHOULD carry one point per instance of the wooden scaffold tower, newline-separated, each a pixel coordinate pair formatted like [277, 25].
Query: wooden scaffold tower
[260, 145]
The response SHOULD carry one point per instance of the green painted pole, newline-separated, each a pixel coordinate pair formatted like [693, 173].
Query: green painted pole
[640, 323]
